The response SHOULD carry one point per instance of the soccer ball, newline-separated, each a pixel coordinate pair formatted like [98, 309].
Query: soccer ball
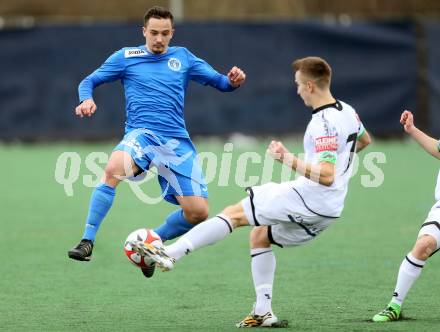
[147, 236]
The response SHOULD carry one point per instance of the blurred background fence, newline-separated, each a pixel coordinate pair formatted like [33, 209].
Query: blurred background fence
[384, 55]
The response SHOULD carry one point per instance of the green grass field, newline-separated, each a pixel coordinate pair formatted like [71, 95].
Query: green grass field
[335, 283]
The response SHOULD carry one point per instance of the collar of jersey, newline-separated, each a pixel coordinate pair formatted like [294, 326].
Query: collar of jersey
[336, 105]
[153, 54]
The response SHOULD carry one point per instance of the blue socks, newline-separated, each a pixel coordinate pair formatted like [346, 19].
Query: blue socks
[174, 226]
[100, 202]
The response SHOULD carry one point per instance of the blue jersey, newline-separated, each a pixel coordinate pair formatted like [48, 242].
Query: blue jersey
[154, 86]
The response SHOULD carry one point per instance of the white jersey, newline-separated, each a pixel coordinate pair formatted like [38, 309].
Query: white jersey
[331, 136]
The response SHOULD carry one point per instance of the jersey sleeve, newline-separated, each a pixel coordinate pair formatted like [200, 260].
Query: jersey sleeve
[201, 72]
[325, 141]
[361, 130]
[111, 70]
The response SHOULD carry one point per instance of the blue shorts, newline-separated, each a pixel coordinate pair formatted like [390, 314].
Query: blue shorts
[175, 159]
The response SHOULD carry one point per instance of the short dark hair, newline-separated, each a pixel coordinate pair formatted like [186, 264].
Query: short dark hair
[315, 68]
[158, 12]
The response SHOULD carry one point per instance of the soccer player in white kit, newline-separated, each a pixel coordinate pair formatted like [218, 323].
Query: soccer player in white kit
[291, 213]
[428, 239]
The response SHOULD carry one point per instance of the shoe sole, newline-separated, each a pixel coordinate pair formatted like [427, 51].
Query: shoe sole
[150, 251]
[280, 324]
[148, 271]
[77, 257]
[271, 322]
[379, 320]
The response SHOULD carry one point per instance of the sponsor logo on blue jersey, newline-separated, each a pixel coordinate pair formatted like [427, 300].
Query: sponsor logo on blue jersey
[134, 52]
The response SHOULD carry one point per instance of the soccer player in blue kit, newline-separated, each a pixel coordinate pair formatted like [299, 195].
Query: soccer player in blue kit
[155, 77]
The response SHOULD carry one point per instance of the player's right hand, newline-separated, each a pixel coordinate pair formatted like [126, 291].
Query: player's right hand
[407, 120]
[277, 150]
[86, 108]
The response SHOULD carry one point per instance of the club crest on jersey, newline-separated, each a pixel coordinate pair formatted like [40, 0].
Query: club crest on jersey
[134, 52]
[174, 64]
[326, 143]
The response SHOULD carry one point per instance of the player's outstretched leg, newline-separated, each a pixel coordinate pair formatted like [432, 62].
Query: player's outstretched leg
[204, 234]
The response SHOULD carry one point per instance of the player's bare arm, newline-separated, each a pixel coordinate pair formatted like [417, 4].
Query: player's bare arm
[322, 173]
[86, 108]
[428, 143]
[236, 77]
[363, 142]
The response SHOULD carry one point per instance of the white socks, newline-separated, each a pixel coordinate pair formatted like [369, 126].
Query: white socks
[263, 271]
[206, 233]
[409, 271]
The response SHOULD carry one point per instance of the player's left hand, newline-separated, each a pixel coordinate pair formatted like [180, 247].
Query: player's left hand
[278, 151]
[236, 77]
[407, 120]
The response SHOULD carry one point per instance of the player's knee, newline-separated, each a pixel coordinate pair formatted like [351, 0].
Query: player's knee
[109, 171]
[424, 247]
[196, 215]
[119, 166]
[230, 212]
[111, 174]
[259, 237]
[236, 215]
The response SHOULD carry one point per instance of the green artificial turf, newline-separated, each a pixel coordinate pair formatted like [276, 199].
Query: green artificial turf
[335, 283]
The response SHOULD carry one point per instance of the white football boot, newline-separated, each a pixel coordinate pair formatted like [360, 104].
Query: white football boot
[266, 320]
[157, 254]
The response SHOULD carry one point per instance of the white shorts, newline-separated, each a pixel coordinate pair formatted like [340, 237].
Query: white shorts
[279, 206]
[431, 226]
